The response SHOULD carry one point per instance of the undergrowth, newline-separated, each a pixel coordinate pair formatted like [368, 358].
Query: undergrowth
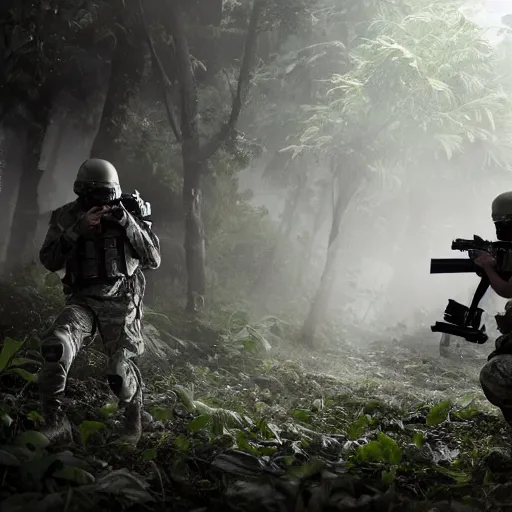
[243, 419]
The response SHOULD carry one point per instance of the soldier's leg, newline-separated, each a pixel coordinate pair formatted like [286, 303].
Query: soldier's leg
[121, 331]
[59, 346]
[444, 344]
[496, 382]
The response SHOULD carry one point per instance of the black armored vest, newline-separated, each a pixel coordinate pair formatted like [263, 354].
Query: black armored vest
[100, 255]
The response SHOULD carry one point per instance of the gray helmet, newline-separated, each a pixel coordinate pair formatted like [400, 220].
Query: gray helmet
[96, 174]
[502, 208]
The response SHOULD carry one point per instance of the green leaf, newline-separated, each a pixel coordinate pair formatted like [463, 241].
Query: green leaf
[439, 413]
[459, 476]
[88, 429]
[306, 470]
[32, 438]
[109, 409]
[268, 430]
[35, 417]
[73, 474]
[392, 452]
[358, 428]
[418, 439]
[467, 413]
[149, 454]
[20, 361]
[29, 377]
[9, 349]
[388, 477]
[7, 420]
[288, 460]
[182, 443]
[244, 445]
[161, 413]
[199, 423]
[302, 415]
[370, 452]
[384, 449]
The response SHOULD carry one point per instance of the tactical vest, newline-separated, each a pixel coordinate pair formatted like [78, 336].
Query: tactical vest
[505, 262]
[104, 255]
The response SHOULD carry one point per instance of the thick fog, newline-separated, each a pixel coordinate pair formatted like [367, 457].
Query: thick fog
[384, 267]
[383, 275]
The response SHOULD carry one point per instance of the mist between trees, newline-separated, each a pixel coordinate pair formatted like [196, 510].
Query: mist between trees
[302, 158]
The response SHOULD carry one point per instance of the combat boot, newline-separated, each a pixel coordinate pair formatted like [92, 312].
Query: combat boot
[131, 429]
[57, 428]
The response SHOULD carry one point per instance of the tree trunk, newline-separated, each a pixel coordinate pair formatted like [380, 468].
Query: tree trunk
[194, 229]
[318, 223]
[195, 156]
[14, 151]
[126, 73]
[320, 302]
[26, 214]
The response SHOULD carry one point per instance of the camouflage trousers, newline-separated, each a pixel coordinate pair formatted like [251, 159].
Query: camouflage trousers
[496, 382]
[118, 321]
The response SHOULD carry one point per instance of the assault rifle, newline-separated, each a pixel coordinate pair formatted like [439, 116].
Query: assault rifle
[134, 204]
[459, 319]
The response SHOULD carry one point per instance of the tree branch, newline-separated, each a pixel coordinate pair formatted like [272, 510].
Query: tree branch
[188, 88]
[167, 85]
[211, 147]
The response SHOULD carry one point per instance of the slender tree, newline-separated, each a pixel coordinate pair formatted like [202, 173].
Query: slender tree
[181, 102]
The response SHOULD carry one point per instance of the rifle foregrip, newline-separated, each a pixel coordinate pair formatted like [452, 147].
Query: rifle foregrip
[452, 266]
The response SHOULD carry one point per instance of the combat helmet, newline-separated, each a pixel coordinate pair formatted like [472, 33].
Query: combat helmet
[97, 177]
[502, 208]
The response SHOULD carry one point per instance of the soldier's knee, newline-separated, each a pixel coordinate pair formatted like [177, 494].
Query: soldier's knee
[56, 345]
[486, 374]
[123, 378]
[496, 380]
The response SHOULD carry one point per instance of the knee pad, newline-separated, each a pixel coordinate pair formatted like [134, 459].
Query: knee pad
[52, 353]
[58, 346]
[124, 381]
[115, 383]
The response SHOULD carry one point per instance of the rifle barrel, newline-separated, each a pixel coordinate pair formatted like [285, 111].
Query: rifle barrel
[452, 266]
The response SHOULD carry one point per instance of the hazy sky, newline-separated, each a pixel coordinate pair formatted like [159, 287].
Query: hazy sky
[491, 11]
[488, 13]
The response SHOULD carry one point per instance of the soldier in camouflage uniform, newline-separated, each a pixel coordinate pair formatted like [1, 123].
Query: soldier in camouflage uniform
[99, 252]
[496, 375]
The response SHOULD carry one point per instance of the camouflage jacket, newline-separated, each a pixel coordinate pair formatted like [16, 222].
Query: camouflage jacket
[141, 251]
[504, 342]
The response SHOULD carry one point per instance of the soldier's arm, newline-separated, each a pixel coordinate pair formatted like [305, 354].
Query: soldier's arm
[498, 284]
[144, 242]
[58, 244]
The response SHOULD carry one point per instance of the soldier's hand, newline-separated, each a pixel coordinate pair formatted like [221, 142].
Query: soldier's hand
[93, 217]
[485, 260]
[118, 214]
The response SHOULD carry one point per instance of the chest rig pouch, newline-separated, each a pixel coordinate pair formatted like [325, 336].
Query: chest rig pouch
[101, 254]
